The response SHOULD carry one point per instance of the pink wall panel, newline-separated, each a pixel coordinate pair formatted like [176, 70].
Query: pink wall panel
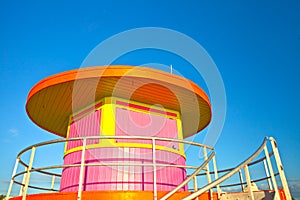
[132, 123]
[123, 177]
[86, 126]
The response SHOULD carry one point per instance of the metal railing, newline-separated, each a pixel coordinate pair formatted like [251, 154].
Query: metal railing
[192, 178]
[29, 169]
[270, 175]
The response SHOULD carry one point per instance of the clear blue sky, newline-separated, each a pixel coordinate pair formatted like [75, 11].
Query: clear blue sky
[255, 45]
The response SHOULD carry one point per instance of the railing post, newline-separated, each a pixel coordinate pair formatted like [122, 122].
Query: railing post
[208, 173]
[241, 180]
[280, 169]
[82, 165]
[23, 183]
[216, 176]
[25, 188]
[52, 182]
[276, 196]
[11, 180]
[248, 180]
[195, 186]
[268, 175]
[188, 179]
[154, 169]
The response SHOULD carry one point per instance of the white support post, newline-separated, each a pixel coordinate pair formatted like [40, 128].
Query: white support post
[268, 175]
[195, 186]
[52, 182]
[216, 176]
[82, 165]
[25, 188]
[208, 173]
[280, 169]
[23, 182]
[248, 180]
[241, 180]
[154, 169]
[276, 196]
[11, 180]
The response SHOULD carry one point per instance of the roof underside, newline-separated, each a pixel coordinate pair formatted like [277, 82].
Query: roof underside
[51, 102]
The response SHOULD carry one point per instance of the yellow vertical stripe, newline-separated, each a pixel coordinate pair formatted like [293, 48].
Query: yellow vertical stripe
[180, 136]
[108, 121]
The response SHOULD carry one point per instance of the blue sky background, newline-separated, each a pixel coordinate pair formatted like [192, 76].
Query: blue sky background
[255, 45]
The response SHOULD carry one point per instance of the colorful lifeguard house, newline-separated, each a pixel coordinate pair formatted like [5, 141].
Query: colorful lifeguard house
[124, 129]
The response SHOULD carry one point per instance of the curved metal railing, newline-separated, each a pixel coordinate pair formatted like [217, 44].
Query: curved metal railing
[270, 175]
[244, 165]
[29, 169]
[241, 182]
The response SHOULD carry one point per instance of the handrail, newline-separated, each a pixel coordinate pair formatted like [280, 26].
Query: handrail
[229, 174]
[95, 164]
[229, 169]
[100, 137]
[169, 194]
[108, 137]
[114, 137]
[43, 170]
[47, 170]
[261, 159]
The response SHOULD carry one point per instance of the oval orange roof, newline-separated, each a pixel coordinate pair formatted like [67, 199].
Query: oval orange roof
[53, 100]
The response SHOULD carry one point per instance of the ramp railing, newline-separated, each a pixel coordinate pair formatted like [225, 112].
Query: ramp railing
[270, 175]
